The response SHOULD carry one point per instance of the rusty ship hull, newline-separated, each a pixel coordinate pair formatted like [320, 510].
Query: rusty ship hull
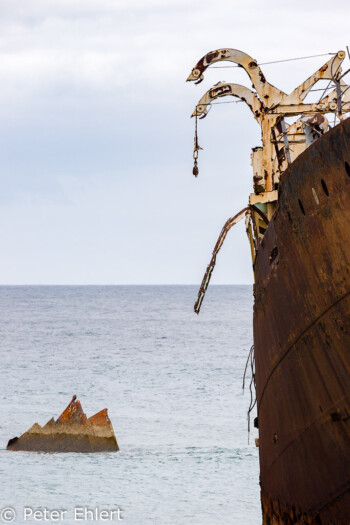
[302, 340]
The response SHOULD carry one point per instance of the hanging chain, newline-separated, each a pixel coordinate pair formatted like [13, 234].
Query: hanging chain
[197, 147]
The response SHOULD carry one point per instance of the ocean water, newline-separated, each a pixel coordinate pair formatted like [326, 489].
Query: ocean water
[172, 382]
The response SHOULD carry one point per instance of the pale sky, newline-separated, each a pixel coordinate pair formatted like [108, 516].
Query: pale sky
[97, 140]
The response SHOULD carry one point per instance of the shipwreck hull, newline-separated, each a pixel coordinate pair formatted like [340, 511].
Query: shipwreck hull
[302, 340]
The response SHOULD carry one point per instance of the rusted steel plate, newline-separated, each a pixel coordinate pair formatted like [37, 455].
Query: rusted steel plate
[302, 339]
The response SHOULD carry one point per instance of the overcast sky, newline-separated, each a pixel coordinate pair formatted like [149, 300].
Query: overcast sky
[97, 140]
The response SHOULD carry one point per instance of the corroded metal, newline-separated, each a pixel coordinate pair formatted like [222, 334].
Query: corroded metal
[207, 275]
[223, 89]
[302, 340]
[270, 106]
[72, 432]
[297, 224]
[264, 89]
[245, 213]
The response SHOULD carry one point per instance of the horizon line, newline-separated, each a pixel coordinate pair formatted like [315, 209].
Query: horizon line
[125, 284]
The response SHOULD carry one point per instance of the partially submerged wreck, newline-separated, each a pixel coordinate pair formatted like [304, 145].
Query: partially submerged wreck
[72, 432]
[297, 222]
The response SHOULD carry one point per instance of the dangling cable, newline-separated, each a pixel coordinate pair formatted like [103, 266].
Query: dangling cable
[251, 361]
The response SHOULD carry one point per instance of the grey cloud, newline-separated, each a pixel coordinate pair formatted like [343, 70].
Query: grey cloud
[96, 138]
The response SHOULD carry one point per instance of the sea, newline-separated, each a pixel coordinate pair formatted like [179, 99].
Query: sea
[172, 383]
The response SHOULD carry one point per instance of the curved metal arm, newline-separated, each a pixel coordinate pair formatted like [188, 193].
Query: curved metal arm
[329, 71]
[206, 279]
[226, 228]
[222, 89]
[267, 92]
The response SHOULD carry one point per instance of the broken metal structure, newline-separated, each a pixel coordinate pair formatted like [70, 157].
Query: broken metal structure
[282, 142]
[297, 221]
[71, 432]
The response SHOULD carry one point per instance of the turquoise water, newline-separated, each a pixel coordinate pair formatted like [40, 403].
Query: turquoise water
[172, 382]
